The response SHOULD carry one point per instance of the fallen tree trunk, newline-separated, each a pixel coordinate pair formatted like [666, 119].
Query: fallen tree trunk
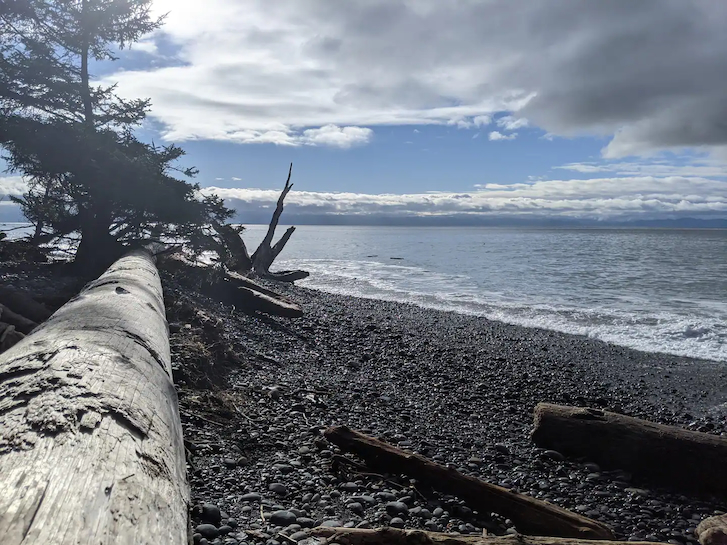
[713, 531]
[654, 453]
[530, 515]
[90, 439]
[394, 536]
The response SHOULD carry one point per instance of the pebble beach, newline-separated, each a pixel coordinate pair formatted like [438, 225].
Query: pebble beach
[457, 389]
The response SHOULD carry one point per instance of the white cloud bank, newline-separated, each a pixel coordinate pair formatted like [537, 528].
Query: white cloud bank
[649, 73]
[620, 199]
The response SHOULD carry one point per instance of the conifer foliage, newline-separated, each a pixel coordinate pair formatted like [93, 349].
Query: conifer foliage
[90, 177]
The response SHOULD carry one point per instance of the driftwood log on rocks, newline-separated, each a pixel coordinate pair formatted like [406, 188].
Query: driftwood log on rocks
[530, 515]
[21, 323]
[713, 531]
[394, 536]
[662, 455]
[22, 303]
[250, 296]
[90, 439]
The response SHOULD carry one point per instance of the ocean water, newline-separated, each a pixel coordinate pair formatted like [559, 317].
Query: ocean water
[653, 290]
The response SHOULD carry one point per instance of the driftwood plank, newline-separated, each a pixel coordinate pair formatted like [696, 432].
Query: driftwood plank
[663, 455]
[394, 536]
[90, 440]
[529, 514]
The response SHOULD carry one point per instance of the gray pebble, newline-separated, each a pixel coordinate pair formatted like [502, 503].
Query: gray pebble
[251, 496]
[394, 508]
[283, 518]
[207, 530]
[279, 489]
[397, 522]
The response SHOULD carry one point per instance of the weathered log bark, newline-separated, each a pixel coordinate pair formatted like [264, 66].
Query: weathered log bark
[22, 303]
[394, 536]
[530, 515]
[713, 531]
[90, 440]
[21, 323]
[654, 453]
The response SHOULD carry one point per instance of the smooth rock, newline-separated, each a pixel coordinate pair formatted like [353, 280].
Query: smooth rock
[207, 530]
[279, 489]
[283, 518]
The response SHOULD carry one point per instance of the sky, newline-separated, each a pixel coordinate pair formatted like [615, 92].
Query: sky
[491, 110]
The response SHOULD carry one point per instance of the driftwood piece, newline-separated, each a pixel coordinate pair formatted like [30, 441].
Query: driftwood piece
[21, 323]
[9, 336]
[248, 295]
[713, 531]
[90, 439]
[260, 302]
[394, 536]
[529, 514]
[22, 303]
[650, 451]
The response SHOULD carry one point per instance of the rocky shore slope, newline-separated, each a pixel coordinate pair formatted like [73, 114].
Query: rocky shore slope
[255, 393]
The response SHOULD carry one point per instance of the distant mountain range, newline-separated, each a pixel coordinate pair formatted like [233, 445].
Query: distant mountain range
[461, 220]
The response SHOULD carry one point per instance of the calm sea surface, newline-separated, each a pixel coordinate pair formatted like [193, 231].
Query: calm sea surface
[654, 290]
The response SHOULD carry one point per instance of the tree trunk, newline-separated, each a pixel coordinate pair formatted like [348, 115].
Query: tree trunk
[91, 446]
[662, 455]
[98, 248]
[530, 515]
[713, 531]
[394, 536]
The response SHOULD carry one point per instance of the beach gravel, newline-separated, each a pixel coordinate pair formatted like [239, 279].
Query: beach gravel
[457, 389]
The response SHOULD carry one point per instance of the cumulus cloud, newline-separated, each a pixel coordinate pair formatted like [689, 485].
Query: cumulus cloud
[627, 198]
[699, 168]
[13, 186]
[510, 123]
[649, 73]
[339, 137]
[496, 135]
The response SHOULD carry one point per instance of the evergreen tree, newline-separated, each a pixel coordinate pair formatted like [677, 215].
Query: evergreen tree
[89, 176]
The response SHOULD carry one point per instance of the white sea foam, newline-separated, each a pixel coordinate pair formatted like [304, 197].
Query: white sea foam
[687, 334]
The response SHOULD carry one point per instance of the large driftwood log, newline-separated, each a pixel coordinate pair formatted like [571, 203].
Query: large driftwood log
[662, 455]
[529, 514]
[394, 536]
[713, 531]
[90, 440]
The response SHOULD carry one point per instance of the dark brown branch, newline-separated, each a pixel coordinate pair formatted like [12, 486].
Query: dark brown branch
[529, 514]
